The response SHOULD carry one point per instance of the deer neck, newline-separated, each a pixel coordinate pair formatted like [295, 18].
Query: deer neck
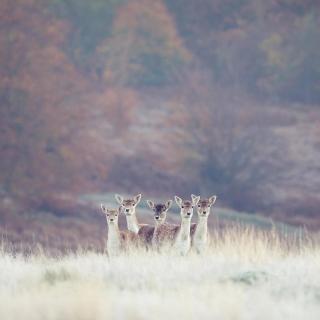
[132, 223]
[158, 224]
[202, 226]
[185, 228]
[113, 232]
[156, 232]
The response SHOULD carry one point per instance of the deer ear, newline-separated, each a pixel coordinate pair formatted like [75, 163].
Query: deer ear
[119, 198]
[212, 199]
[168, 204]
[103, 208]
[150, 204]
[178, 200]
[195, 199]
[137, 198]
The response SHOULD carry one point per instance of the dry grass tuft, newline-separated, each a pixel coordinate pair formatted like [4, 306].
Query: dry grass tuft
[246, 274]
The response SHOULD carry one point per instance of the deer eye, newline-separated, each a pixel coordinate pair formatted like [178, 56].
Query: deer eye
[182, 207]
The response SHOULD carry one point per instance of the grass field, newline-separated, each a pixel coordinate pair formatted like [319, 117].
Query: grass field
[246, 274]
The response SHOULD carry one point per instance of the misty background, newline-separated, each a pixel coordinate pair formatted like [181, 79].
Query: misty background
[157, 97]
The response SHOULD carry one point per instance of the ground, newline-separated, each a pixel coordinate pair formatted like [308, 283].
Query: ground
[246, 274]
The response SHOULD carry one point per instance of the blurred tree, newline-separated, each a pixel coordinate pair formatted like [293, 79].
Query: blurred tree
[49, 138]
[90, 21]
[224, 149]
[293, 62]
[31, 81]
[244, 41]
[144, 49]
[53, 122]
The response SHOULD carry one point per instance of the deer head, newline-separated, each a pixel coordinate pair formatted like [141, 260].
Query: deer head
[128, 205]
[204, 206]
[112, 215]
[186, 206]
[160, 210]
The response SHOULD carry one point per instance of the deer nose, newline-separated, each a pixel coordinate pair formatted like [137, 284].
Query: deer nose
[204, 212]
[188, 213]
[111, 219]
[157, 217]
[127, 210]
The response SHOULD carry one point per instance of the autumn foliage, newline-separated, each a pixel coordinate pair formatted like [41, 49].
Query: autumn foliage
[164, 97]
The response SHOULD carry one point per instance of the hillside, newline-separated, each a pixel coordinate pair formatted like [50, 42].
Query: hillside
[163, 97]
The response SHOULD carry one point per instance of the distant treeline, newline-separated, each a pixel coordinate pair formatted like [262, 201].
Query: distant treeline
[166, 96]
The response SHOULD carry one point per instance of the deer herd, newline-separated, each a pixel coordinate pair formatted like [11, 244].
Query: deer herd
[162, 235]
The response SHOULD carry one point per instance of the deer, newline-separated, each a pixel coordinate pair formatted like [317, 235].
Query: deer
[181, 233]
[199, 232]
[162, 232]
[128, 206]
[117, 241]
